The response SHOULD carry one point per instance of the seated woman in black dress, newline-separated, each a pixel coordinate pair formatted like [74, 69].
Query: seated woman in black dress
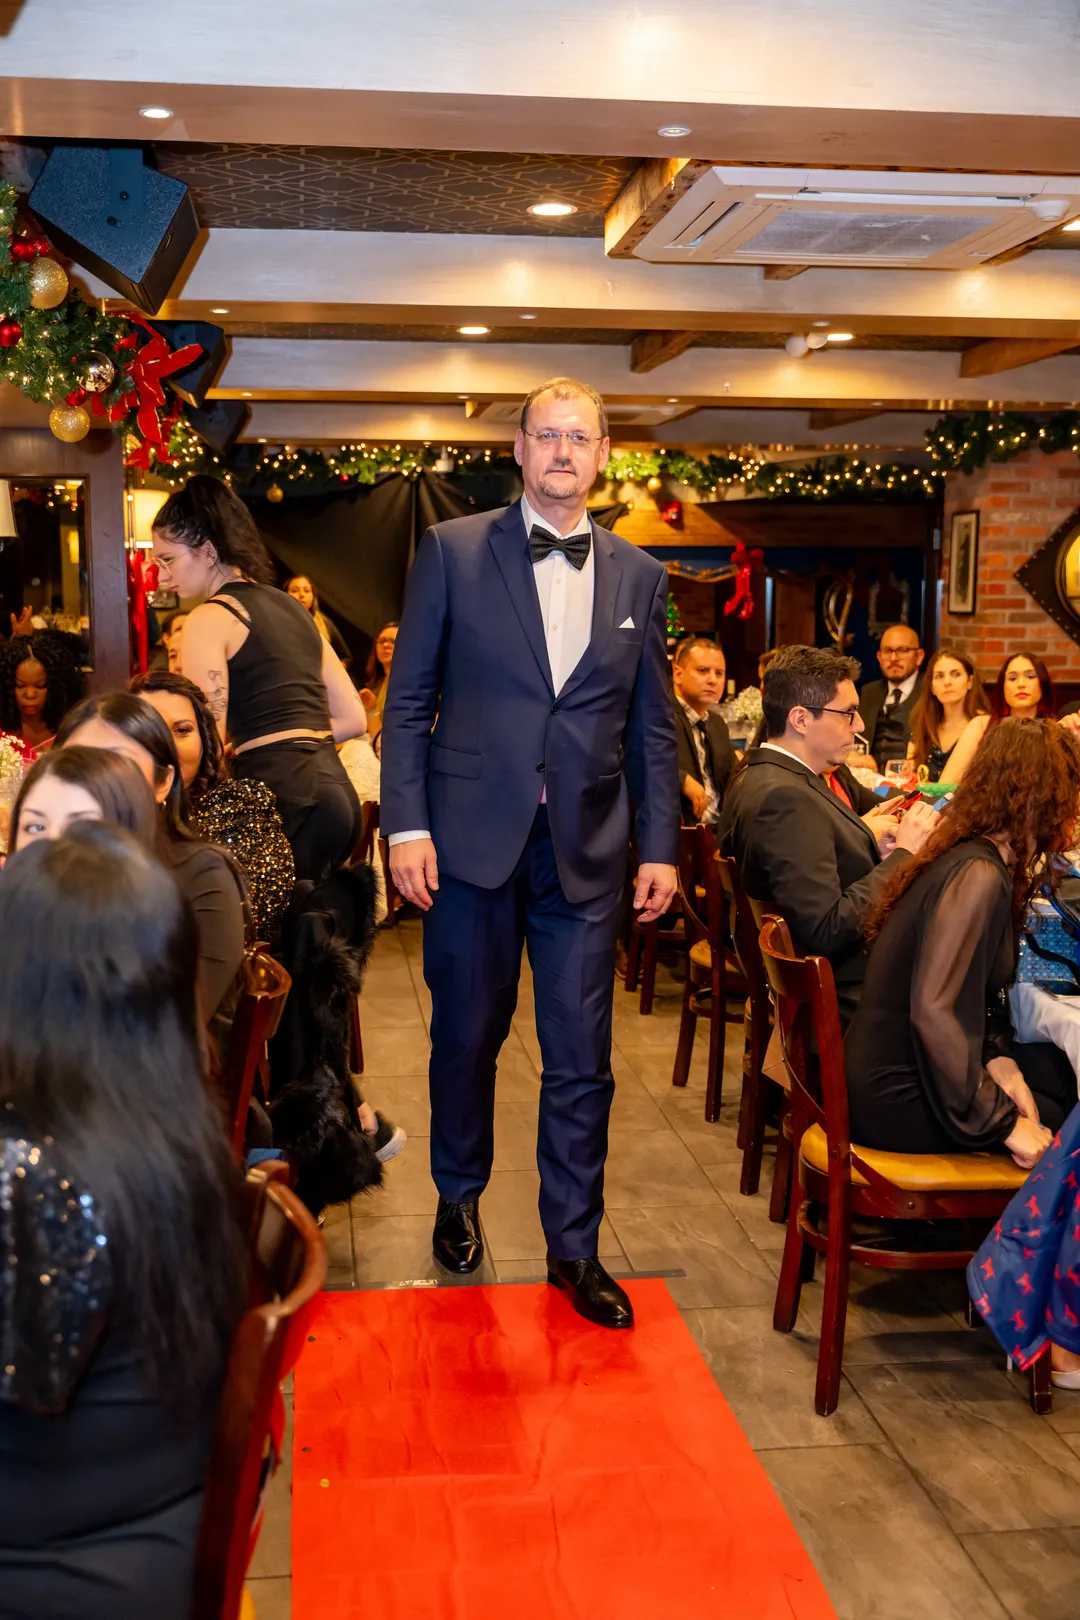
[929, 1069]
[119, 1215]
[207, 879]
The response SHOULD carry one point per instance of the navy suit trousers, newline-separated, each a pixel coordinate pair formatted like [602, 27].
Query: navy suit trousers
[473, 940]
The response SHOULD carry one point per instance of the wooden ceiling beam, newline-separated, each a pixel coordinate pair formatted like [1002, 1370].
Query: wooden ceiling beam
[821, 420]
[652, 349]
[1005, 354]
[784, 272]
[646, 197]
[476, 407]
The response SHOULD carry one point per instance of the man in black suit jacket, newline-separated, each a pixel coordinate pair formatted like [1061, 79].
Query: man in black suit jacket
[800, 845]
[706, 757]
[886, 706]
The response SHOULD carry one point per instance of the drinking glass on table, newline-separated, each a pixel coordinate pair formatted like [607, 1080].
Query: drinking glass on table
[897, 772]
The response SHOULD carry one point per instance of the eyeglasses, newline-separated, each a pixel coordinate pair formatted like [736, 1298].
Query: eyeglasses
[552, 438]
[848, 714]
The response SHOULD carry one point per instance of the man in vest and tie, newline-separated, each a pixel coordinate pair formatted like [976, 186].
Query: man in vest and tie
[527, 717]
[886, 706]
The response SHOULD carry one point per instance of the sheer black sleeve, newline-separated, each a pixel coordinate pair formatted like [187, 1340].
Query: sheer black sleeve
[961, 936]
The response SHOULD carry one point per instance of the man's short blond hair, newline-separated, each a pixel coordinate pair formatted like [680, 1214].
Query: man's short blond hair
[567, 388]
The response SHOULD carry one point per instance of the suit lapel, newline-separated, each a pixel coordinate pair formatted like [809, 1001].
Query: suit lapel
[607, 576]
[822, 787]
[510, 548]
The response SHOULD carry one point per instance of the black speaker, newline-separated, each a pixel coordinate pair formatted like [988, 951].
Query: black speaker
[118, 218]
[221, 423]
[193, 382]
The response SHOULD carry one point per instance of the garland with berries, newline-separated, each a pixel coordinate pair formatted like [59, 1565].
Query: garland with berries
[59, 350]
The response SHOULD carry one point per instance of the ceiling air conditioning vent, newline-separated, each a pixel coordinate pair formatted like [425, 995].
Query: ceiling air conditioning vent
[855, 218]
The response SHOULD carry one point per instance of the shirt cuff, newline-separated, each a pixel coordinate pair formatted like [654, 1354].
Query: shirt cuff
[403, 838]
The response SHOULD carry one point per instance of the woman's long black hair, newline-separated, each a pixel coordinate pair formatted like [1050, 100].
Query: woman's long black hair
[60, 655]
[100, 1049]
[206, 509]
[212, 764]
[141, 722]
[114, 782]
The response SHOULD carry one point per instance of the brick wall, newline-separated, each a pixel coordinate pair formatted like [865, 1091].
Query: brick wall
[1020, 504]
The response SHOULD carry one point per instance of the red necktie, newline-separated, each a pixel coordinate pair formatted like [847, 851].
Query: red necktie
[839, 789]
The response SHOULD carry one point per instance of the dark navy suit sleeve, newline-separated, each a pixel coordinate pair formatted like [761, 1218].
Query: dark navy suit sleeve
[412, 699]
[652, 770]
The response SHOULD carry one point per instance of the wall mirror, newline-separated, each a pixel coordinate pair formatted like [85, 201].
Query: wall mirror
[44, 573]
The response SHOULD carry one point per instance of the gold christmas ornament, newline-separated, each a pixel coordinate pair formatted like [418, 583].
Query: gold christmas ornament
[653, 484]
[96, 372]
[275, 493]
[48, 285]
[69, 423]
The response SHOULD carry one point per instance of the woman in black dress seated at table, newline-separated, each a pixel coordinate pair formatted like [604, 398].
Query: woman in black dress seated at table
[930, 1069]
[276, 689]
[122, 1252]
[952, 694]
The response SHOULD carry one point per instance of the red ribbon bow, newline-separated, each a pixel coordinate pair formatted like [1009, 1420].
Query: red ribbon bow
[744, 562]
[152, 362]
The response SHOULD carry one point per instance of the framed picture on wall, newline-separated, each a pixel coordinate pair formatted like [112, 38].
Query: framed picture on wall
[963, 561]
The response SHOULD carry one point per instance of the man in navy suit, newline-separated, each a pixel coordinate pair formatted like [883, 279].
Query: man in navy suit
[528, 716]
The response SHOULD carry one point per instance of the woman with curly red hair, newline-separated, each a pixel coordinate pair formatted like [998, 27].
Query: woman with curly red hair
[929, 1069]
[1022, 691]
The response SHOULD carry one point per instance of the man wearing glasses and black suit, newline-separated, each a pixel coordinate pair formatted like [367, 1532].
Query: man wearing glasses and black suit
[791, 824]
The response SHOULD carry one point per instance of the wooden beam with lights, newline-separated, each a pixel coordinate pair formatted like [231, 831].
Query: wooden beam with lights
[652, 349]
[645, 199]
[1005, 354]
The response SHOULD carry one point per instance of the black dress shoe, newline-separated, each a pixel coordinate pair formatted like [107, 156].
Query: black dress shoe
[593, 1293]
[456, 1242]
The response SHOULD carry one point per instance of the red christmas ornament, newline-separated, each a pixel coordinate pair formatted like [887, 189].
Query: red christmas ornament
[40, 246]
[671, 513]
[10, 333]
[21, 250]
[76, 397]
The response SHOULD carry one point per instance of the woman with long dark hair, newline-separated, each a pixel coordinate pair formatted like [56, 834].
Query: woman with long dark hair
[927, 1071]
[120, 1236]
[275, 688]
[301, 589]
[1023, 691]
[377, 672]
[952, 694]
[239, 816]
[208, 880]
[71, 785]
[40, 679]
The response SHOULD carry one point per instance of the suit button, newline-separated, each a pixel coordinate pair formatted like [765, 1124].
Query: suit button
[540, 766]
[554, 708]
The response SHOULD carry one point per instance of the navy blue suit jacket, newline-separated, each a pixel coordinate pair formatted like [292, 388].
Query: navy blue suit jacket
[471, 661]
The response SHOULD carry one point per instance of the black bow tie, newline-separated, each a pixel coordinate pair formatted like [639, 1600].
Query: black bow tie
[575, 548]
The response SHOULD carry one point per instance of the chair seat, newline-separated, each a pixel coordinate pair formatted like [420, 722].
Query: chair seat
[701, 954]
[923, 1172]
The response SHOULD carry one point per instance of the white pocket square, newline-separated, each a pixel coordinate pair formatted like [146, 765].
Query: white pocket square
[627, 624]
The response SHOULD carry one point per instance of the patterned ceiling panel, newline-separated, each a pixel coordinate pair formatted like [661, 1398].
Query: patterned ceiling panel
[319, 188]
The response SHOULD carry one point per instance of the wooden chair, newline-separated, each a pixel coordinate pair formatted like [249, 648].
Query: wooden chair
[848, 1182]
[712, 971]
[264, 987]
[643, 953]
[759, 1089]
[288, 1270]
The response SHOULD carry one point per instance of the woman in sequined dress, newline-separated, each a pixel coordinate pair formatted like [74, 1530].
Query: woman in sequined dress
[122, 1256]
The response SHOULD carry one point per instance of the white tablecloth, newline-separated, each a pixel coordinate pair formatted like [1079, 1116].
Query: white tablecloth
[1039, 1016]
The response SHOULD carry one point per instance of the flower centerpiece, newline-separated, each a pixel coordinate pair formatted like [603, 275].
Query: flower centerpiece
[743, 715]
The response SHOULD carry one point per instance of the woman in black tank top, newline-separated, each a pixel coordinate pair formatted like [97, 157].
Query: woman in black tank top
[276, 689]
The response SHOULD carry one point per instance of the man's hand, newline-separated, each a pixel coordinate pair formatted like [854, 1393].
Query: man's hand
[1005, 1072]
[915, 828]
[1027, 1142]
[655, 890]
[884, 824]
[695, 792]
[415, 871]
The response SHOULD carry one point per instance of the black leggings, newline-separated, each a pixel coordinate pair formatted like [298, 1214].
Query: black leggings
[317, 802]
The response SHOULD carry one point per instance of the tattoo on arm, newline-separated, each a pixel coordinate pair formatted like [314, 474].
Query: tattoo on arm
[217, 695]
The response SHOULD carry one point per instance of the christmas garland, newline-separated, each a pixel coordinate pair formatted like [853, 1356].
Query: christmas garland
[965, 443]
[61, 351]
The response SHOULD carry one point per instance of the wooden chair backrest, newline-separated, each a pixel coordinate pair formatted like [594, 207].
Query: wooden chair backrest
[265, 984]
[697, 869]
[808, 1020]
[370, 820]
[288, 1267]
[744, 927]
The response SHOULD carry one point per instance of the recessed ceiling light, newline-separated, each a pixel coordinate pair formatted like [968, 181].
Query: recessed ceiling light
[219, 310]
[674, 131]
[673, 402]
[262, 441]
[820, 323]
[840, 337]
[464, 396]
[246, 394]
[1073, 225]
[474, 331]
[155, 112]
[527, 317]
[552, 210]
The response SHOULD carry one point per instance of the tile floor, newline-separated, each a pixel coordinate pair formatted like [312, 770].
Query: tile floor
[932, 1493]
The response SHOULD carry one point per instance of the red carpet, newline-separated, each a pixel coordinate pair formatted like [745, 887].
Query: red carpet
[483, 1454]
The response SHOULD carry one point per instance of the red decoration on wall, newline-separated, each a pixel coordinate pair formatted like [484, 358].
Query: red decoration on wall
[142, 578]
[744, 563]
[671, 512]
[10, 333]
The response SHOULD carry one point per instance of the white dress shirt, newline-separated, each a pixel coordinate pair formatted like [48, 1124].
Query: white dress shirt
[905, 688]
[566, 595]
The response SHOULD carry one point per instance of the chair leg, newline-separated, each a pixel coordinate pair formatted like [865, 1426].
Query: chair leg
[633, 959]
[649, 958]
[680, 1074]
[714, 1083]
[834, 1304]
[756, 1093]
[780, 1197]
[971, 1315]
[356, 1042]
[789, 1287]
[1042, 1385]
